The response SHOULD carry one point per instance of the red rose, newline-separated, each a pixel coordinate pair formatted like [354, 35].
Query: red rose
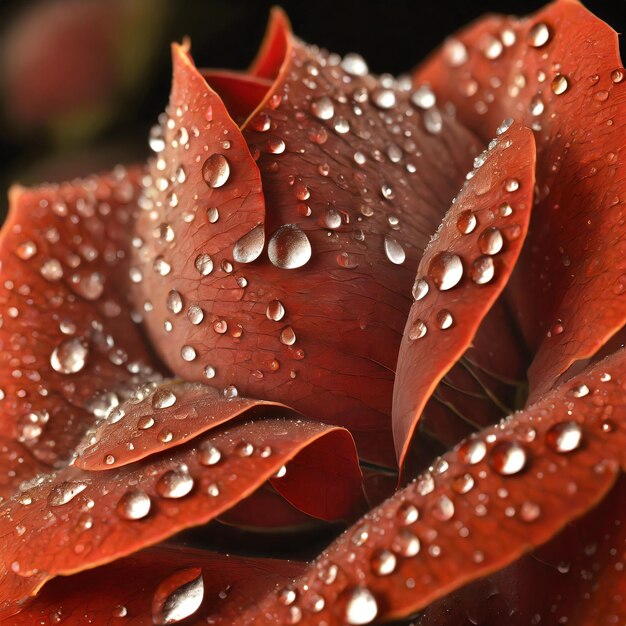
[226, 332]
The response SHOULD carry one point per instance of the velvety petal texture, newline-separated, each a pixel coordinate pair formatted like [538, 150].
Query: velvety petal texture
[463, 271]
[560, 72]
[310, 297]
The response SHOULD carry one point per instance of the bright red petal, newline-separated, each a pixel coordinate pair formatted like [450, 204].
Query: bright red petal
[69, 349]
[310, 298]
[124, 592]
[463, 271]
[561, 73]
[74, 519]
[486, 503]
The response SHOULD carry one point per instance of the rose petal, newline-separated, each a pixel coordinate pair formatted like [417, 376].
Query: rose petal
[494, 498]
[324, 310]
[122, 592]
[73, 519]
[576, 578]
[69, 349]
[463, 271]
[560, 72]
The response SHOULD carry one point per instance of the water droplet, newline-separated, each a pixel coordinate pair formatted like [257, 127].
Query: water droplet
[174, 301]
[384, 98]
[445, 270]
[406, 544]
[178, 596]
[216, 170]
[407, 514]
[134, 505]
[161, 266]
[52, 270]
[213, 215]
[417, 330]
[174, 484]
[27, 250]
[354, 64]
[455, 52]
[507, 458]
[323, 108]
[466, 222]
[472, 451]
[463, 483]
[361, 606]
[559, 84]
[204, 264]
[433, 122]
[145, 422]
[512, 184]
[538, 35]
[65, 492]
[275, 311]
[195, 314]
[443, 510]
[490, 241]
[287, 336]
[423, 97]
[444, 319]
[70, 356]
[394, 251]
[420, 289]
[492, 47]
[564, 437]
[529, 511]
[289, 247]
[208, 454]
[617, 76]
[341, 125]
[188, 353]
[482, 270]
[580, 391]
[163, 398]
[249, 247]
[383, 562]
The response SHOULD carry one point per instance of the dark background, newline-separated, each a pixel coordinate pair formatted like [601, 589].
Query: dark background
[113, 56]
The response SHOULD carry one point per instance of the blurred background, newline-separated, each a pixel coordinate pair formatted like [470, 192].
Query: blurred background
[82, 81]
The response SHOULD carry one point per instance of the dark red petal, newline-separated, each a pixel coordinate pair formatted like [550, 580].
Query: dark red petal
[73, 519]
[486, 503]
[463, 271]
[159, 417]
[576, 578]
[123, 592]
[560, 72]
[308, 317]
[274, 47]
[241, 93]
[68, 344]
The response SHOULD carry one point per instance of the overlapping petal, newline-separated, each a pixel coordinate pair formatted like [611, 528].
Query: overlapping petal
[560, 72]
[311, 296]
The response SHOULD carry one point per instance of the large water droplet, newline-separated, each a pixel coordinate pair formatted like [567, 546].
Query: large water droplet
[538, 35]
[490, 241]
[289, 247]
[383, 562]
[354, 64]
[174, 301]
[163, 398]
[507, 458]
[134, 505]
[559, 84]
[564, 437]
[70, 356]
[466, 222]
[323, 108]
[445, 270]
[384, 98]
[249, 247]
[394, 251]
[175, 484]
[208, 454]
[472, 451]
[178, 596]
[361, 606]
[216, 170]
[482, 270]
[204, 264]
